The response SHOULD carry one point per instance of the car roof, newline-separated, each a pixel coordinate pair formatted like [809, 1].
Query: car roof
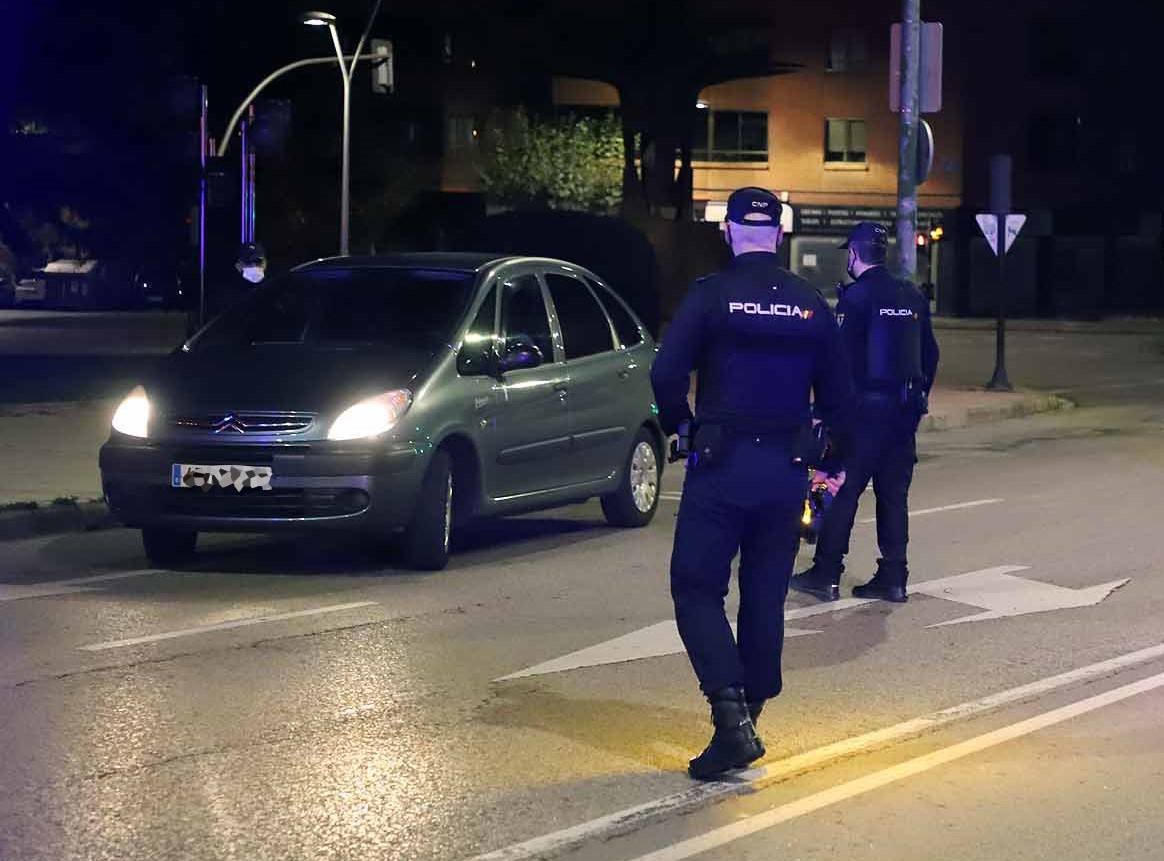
[459, 261]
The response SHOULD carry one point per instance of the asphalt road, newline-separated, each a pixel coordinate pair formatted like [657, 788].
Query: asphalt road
[310, 700]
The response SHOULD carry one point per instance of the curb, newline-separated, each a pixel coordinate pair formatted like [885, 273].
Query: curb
[1030, 405]
[36, 519]
[1064, 327]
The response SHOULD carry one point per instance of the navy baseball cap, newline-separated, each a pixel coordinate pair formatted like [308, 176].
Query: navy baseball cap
[868, 232]
[754, 207]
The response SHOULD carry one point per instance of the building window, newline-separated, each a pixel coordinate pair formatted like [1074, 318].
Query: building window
[461, 134]
[731, 136]
[845, 141]
[848, 52]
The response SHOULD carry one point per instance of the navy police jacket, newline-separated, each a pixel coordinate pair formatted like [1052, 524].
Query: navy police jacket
[888, 335]
[763, 342]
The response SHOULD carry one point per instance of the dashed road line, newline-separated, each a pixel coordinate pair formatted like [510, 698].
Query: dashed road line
[74, 586]
[957, 506]
[223, 626]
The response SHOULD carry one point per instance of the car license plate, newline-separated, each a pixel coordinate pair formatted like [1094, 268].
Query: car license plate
[202, 477]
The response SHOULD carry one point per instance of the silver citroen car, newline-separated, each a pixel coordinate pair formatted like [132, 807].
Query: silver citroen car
[399, 396]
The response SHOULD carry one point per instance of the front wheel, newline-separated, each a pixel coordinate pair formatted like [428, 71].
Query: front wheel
[165, 546]
[635, 501]
[427, 539]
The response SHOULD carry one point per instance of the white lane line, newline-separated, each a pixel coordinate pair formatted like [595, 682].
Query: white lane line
[955, 507]
[632, 818]
[910, 768]
[16, 591]
[223, 626]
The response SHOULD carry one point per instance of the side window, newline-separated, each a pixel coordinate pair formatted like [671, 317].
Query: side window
[585, 329]
[624, 324]
[523, 312]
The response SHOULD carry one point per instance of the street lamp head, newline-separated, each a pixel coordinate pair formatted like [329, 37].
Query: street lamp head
[318, 19]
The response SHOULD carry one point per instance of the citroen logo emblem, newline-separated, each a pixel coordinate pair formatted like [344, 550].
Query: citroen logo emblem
[228, 424]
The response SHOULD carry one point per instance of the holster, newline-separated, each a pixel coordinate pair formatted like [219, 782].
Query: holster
[708, 446]
[812, 444]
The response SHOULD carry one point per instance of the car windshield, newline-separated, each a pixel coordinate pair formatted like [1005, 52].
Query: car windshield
[398, 307]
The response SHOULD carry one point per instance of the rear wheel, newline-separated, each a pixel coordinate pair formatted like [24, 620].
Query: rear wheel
[167, 546]
[428, 537]
[635, 501]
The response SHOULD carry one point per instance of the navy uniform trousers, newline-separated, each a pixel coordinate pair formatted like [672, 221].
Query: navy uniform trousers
[884, 452]
[749, 502]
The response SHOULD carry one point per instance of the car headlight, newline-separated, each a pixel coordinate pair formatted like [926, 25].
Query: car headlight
[133, 415]
[371, 417]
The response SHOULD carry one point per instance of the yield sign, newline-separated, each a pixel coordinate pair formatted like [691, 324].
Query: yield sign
[994, 591]
[1012, 226]
[988, 224]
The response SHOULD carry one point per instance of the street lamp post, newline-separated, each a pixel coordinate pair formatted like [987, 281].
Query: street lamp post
[324, 19]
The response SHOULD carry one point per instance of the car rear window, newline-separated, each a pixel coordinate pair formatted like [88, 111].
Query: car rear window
[624, 324]
[412, 308]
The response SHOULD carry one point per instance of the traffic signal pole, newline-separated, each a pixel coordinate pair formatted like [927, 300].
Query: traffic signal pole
[907, 144]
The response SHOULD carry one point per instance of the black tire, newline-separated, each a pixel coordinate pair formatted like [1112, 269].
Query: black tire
[427, 539]
[165, 546]
[625, 507]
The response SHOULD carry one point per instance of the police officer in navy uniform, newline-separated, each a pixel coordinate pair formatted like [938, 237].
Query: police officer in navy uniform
[762, 342]
[889, 339]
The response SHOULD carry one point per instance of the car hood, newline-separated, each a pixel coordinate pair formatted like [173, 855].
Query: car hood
[282, 378]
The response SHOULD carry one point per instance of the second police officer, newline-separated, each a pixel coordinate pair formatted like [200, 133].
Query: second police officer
[889, 339]
[763, 343]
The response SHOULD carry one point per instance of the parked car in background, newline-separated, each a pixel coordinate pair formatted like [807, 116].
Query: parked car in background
[29, 291]
[397, 395]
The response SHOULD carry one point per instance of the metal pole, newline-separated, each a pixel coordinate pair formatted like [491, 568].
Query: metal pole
[251, 196]
[907, 147]
[263, 84]
[1000, 203]
[345, 212]
[244, 181]
[999, 380]
[202, 150]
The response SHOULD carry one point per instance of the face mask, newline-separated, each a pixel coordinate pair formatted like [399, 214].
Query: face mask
[254, 274]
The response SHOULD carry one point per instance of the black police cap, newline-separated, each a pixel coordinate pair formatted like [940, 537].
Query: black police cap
[869, 233]
[251, 254]
[754, 207]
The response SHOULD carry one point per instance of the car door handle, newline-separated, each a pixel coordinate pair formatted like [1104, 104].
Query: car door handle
[624, 374]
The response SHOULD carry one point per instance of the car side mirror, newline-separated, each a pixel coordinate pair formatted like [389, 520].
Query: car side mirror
[477, 359]
[520, 354]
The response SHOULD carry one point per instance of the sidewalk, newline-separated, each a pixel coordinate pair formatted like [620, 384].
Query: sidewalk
[49, 481]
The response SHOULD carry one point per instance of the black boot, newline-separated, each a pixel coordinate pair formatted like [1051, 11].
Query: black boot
[888, 584]
[818, 583]
[754, 709]
[734, 744]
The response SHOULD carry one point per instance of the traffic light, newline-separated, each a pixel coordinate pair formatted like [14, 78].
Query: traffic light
[937, 233]
[921, 239]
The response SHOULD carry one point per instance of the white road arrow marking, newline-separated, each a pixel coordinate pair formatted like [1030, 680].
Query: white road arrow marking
[654, 641]
[1002, 595]
[993, 590]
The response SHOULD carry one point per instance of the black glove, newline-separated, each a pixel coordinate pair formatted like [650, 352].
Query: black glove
[681, 445]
